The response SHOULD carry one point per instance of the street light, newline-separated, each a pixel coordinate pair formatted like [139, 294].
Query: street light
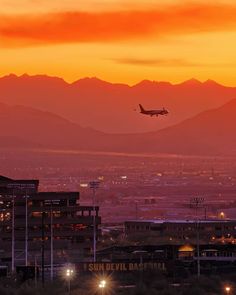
[102, 285]
[222, 215]
[227, 289]
[69, 274]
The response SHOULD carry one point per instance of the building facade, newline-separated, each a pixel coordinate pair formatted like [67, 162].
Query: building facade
[32, 221]
[210, 231]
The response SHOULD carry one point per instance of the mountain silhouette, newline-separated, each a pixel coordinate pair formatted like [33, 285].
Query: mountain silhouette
[43, 129]
[209, 133]
[113, 108]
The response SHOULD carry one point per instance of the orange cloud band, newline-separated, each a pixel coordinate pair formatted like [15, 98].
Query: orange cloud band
[67, 27]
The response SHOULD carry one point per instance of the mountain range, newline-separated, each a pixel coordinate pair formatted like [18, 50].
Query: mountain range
[211, 132]
[113, 108]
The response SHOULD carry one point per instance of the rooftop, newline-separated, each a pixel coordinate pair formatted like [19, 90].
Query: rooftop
[161, 221]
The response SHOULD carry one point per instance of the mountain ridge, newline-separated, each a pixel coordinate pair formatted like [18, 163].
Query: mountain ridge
[208, 133]
[91, 102]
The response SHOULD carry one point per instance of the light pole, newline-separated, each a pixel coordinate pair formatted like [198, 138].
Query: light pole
[35, 271]
[196, 203]
[13, 234]
[51, 228]
[26, 230]
[94, 185]
[69, 274]
[43, 246]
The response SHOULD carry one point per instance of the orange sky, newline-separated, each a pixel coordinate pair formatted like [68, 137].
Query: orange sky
[120, 41]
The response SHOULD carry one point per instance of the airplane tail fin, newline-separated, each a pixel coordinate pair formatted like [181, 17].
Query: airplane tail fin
[141, 108]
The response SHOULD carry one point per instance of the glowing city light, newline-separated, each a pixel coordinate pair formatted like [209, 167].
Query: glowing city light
[102, 284]
[227, 289]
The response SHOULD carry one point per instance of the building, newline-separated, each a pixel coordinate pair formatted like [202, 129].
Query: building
[10, 186]
[176, 261]
[210, 231]
[52, 221]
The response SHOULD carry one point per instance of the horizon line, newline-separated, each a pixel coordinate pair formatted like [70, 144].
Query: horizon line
[192, 79]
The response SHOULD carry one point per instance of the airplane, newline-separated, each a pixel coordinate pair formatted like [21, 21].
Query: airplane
[153, 112]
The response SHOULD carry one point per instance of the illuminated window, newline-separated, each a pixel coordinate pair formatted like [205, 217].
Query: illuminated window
[36, 214]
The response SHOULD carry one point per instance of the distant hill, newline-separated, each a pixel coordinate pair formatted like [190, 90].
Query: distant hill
[211, 132]
[31, 127]
[113, 108]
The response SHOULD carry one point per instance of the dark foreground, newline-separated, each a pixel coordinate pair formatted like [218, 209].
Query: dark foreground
[148, 283]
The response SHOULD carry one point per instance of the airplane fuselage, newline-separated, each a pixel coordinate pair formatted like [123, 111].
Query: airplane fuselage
[152, 112]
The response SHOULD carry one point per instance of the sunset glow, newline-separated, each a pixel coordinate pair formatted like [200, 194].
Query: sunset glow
[120, 41]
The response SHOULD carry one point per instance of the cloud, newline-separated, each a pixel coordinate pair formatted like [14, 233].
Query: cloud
[176, 62]
[156, 62]
[72, 27]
